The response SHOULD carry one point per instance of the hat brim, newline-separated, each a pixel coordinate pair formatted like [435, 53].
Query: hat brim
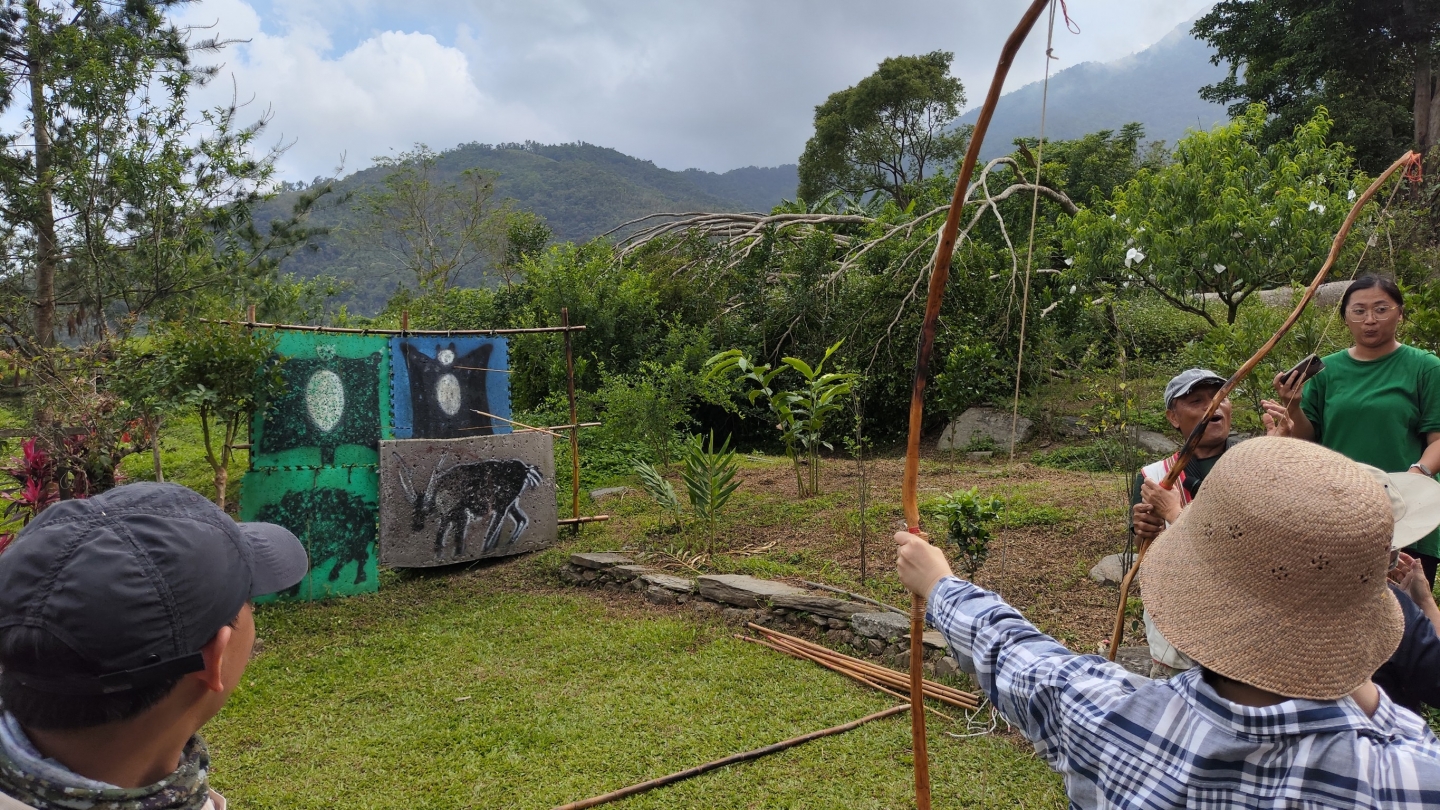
[1421, 495]
[279, 560]
[1213, 379]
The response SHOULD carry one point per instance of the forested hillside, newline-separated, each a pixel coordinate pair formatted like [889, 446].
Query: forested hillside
[581, 190]
[1158, 87]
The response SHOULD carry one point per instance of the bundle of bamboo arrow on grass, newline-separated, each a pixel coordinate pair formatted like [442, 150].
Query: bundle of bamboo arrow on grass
[873, 675]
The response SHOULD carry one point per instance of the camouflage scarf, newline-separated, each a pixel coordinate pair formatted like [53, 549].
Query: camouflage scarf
[185, 789]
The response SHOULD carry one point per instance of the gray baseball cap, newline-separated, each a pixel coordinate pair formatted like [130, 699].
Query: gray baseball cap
[136, 581]
[1182, 383]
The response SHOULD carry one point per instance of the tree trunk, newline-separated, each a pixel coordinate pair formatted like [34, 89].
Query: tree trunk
[44, 220]
[1424, 98]
[155, 451]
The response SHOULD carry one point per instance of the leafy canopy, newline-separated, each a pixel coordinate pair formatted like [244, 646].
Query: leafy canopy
[885, 133]
[1227, 217]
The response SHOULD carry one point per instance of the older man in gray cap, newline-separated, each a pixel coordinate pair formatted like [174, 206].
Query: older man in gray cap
[1187, 397]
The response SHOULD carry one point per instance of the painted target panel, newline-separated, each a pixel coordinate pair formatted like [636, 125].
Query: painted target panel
[335, 407]
[444, 501]
[443, 388]
[333, 511]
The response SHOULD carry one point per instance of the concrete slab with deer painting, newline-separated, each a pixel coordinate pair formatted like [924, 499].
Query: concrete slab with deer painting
[445, 501]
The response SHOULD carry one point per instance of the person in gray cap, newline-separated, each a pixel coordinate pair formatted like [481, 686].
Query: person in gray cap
[125, 624]
[1187, 397]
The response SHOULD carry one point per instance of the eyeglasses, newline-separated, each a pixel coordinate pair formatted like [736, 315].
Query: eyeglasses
[1380, 311]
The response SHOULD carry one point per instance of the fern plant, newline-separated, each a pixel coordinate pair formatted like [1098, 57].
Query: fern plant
[661, 490]
[709, 477]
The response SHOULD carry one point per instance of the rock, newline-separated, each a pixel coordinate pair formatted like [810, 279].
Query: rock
[1134, 659]
[1109, 571]
[820, 605]
[836, 636]
[570, 574]
[660, 596]
[990, 424]
[874, 646]
[1156, 443]
[625, 573]
[884, 625]
[735, 615]
[1073, 427]
[933, 640]
[668, 582]
[702, 606]
[902, 660]
[819, 621]
[928, 668]
[600, 560]
[588, 575]
[980, 455]
[598, 495]
[947, 666]
[838, 624]
[743, 591]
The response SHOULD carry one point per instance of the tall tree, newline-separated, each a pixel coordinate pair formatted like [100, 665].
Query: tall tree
[1370, 63]
[887, 132]
[433, 226]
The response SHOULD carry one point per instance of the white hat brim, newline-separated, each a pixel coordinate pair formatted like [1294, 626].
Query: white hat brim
[1415, 502]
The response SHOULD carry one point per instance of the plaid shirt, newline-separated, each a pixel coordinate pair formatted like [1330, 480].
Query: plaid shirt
[1124, 741]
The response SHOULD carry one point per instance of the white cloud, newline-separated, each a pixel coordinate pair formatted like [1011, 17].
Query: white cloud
[715, 85]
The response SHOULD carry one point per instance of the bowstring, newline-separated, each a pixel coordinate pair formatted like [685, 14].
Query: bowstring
[1030, 256]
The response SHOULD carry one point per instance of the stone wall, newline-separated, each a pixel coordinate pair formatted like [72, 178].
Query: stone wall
[858, 628]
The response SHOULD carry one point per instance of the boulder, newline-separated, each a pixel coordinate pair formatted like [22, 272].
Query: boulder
[1072, 426]
[667, 582]
[820, 605]
[880, 625]
[625, 573]
[600, 560]
[743, 591]
[1157, 443]
[990, 424]
[1109, 571]
[934, 640]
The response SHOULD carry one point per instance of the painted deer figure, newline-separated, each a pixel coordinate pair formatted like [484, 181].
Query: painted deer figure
[466, 493]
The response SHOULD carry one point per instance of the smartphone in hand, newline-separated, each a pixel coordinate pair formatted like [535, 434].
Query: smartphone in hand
[1305, 369]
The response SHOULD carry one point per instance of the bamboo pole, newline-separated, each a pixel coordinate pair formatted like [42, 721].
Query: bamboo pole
[574, 420]
[880, 675]
[730, 760]
[345, 330]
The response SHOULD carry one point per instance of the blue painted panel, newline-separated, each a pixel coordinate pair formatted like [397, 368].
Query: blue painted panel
[439, 386]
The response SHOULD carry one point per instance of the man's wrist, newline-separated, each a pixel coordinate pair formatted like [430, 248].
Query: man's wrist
[1424, 470]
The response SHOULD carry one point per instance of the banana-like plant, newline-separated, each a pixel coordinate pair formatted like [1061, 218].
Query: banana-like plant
[801, 413]
[709, 477]
[661, 490]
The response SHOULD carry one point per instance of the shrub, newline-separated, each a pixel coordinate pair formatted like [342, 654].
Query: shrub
[967, 516]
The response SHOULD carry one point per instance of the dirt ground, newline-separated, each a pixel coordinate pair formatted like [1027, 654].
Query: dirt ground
[1057, 525]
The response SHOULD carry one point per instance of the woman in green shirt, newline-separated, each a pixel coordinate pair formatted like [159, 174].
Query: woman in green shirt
[1377, 402]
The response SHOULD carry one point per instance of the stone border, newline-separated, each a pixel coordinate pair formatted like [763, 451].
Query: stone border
[737, 599]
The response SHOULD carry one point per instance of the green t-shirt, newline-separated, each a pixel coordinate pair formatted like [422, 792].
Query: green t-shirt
[1377, 412]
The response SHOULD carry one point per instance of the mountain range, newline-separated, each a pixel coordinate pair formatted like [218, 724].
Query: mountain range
[584, 190]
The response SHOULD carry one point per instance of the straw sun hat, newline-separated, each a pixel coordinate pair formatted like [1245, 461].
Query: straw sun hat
[1275, 575]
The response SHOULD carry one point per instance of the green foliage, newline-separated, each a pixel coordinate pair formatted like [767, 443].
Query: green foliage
[1154, 331]
[709, 480]
[433, 228]
[1359, 60]
[974, 374]
[801, 412]
[967, 516]
[1226, 217]
[886, 132]
[1422, 316]
[650, 405]
[661, 490]
[1091, 167]
[223, 374]
[1102, 455]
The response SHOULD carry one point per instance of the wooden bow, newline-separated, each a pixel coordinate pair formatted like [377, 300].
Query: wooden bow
[939, 275]
[1187, 451]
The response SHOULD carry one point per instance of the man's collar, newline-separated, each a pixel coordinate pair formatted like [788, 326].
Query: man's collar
[1294, 717]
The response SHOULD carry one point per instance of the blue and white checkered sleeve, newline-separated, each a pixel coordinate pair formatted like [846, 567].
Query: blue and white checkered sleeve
[1024, 672]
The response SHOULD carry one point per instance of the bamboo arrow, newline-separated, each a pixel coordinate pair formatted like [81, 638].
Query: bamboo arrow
[1187, 451]
[939, 275]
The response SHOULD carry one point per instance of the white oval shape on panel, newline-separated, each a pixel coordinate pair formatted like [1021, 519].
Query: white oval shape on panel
[325, 399]
[447, 394]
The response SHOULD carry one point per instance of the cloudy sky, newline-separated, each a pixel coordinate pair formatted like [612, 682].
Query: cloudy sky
[683, 83]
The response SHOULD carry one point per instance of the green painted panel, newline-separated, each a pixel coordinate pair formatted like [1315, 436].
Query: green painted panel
[336, 406]
[333, 510]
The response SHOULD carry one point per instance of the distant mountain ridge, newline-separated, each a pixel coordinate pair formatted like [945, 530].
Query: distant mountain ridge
[582, 190]
[1159, 87]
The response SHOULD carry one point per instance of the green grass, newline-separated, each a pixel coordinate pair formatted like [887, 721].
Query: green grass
[451, 691]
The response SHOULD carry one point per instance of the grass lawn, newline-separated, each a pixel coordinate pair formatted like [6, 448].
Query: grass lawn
[488, 688]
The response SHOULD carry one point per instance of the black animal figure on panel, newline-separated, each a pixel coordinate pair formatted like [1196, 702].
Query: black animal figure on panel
[465, 493]
[446, 391]
[332, 523]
